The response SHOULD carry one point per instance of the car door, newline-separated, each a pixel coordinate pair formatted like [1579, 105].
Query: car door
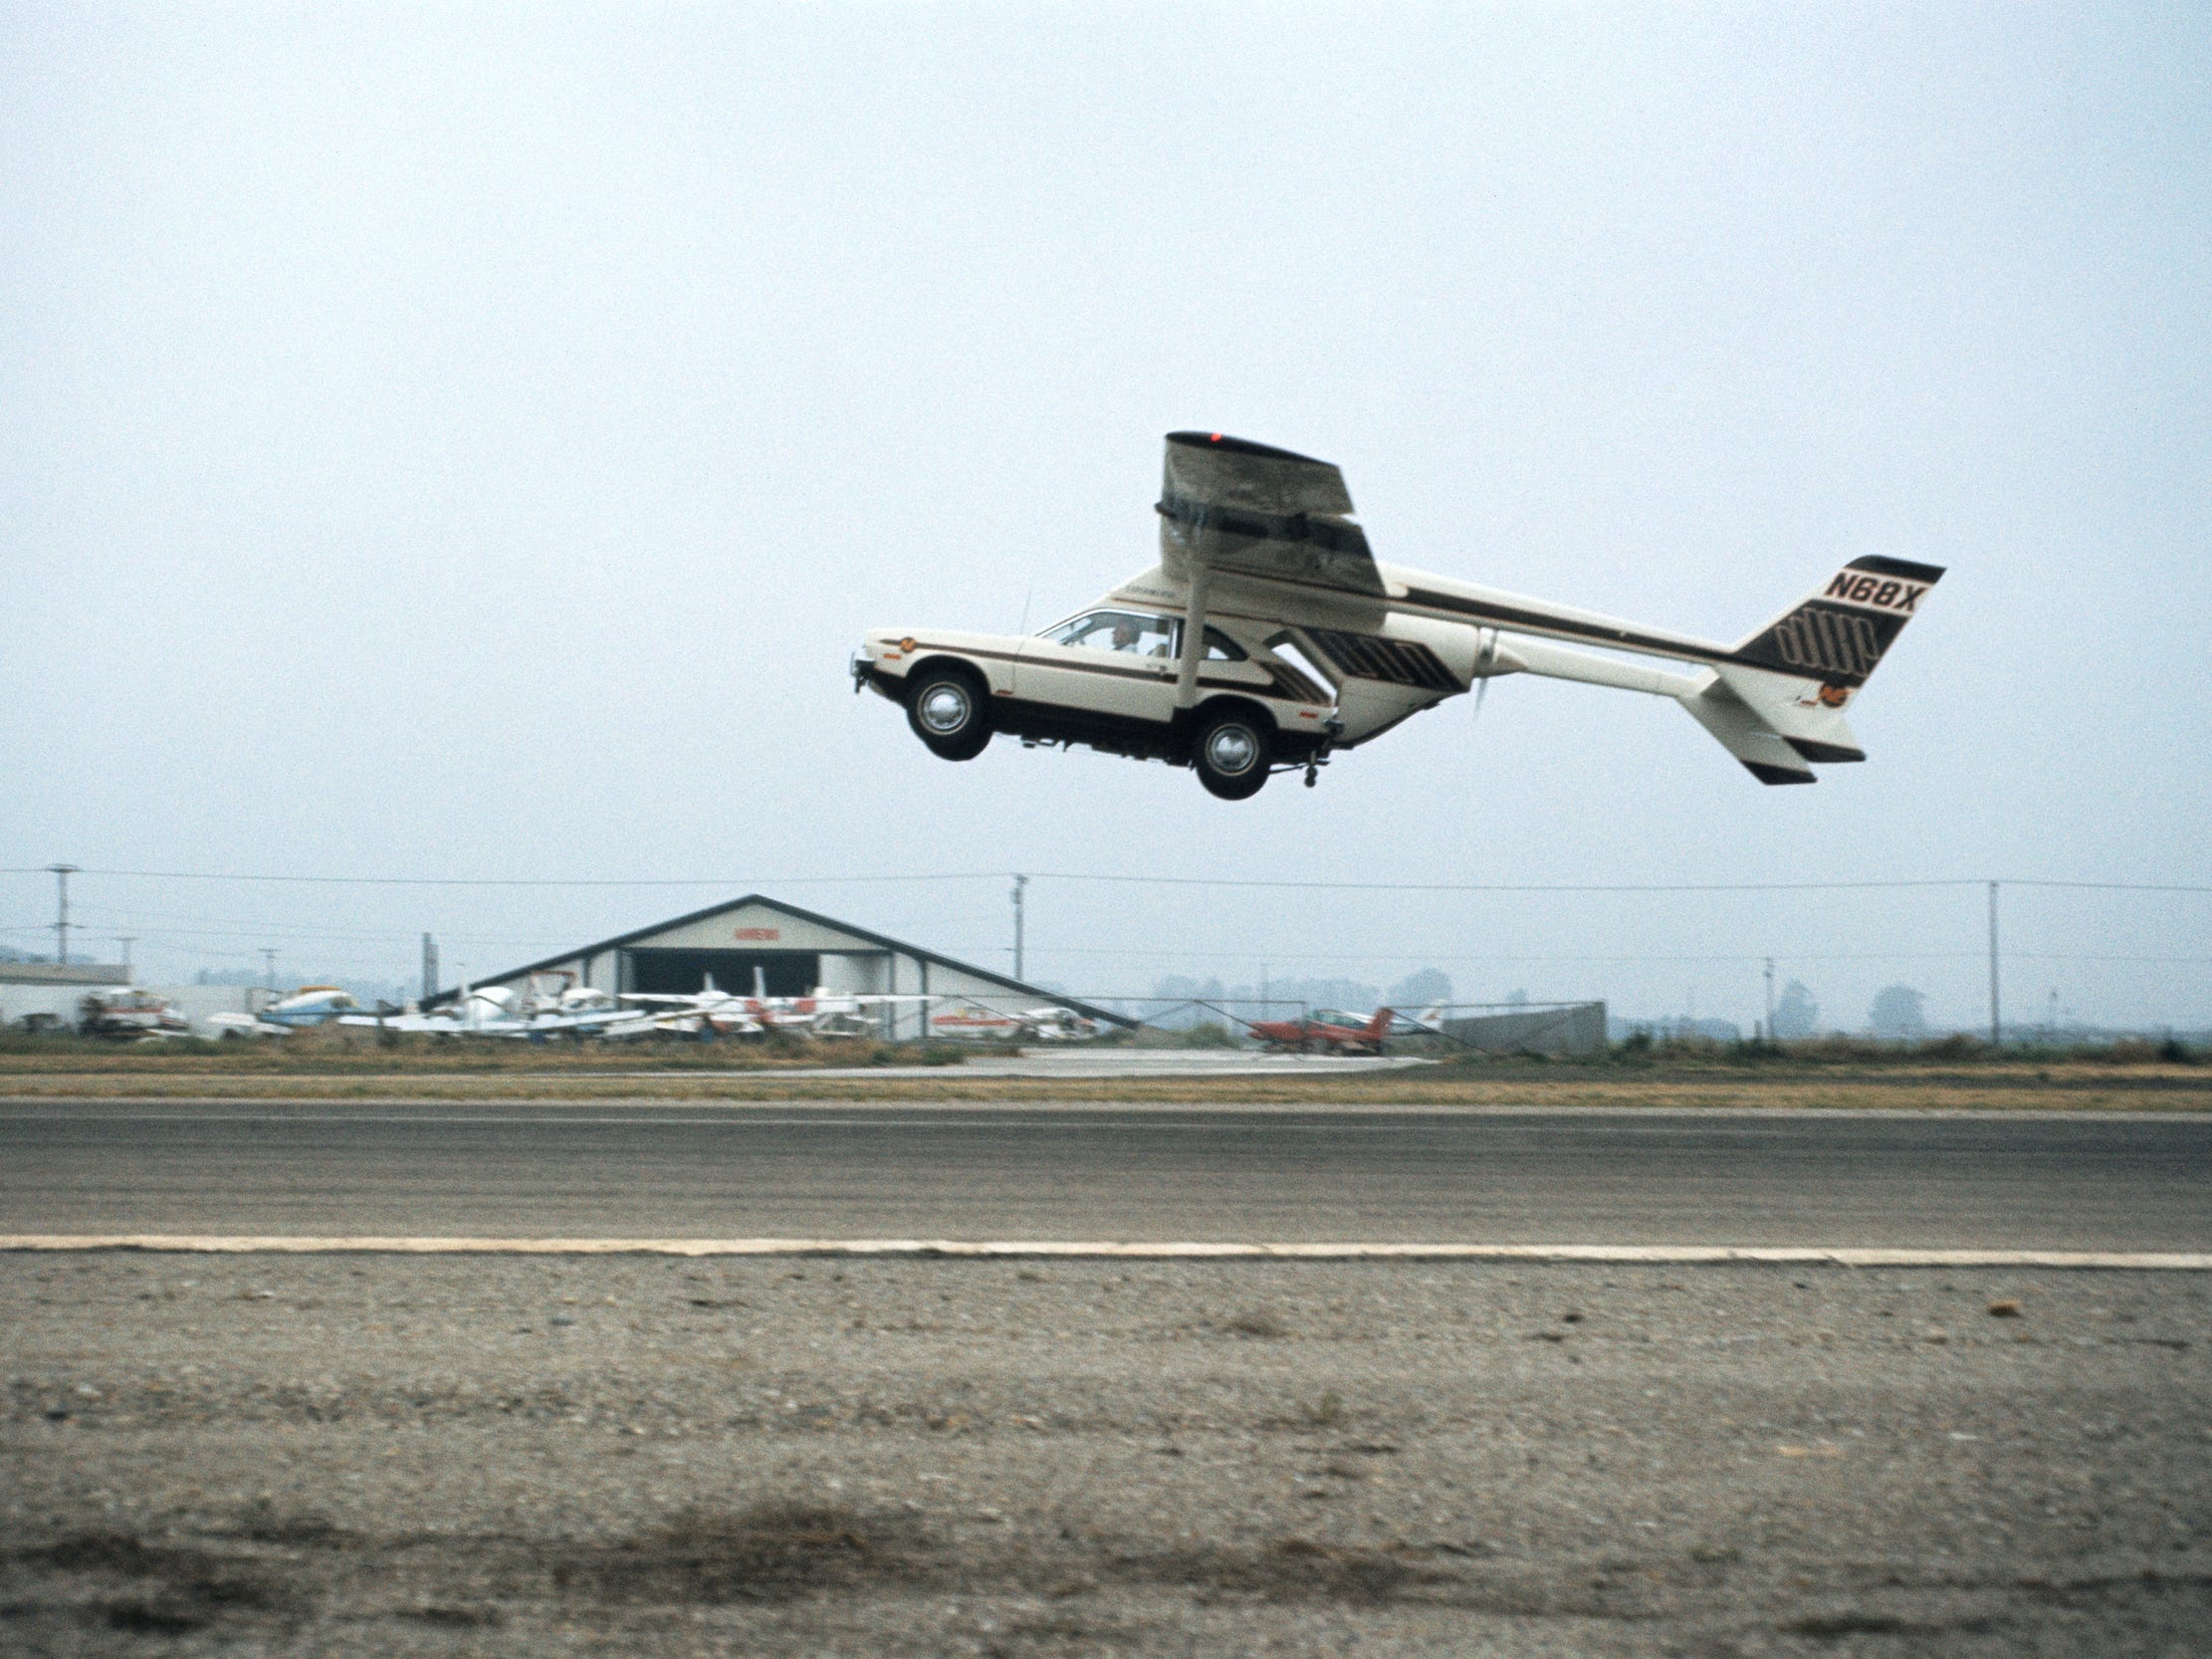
[1111, 662]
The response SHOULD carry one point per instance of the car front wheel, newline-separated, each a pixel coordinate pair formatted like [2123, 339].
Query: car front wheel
[1232, 755]
[946, 710]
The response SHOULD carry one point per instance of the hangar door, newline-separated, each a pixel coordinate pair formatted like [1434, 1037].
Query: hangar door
[790, 973]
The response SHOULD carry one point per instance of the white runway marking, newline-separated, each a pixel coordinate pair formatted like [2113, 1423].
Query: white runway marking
[1845, 1256]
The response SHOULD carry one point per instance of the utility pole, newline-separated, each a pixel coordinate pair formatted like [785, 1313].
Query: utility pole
[1996, 1027]
[1020, 884]
[1770, 999]
[62, 874]
[269, 965]
[126, 940]
[429, 967]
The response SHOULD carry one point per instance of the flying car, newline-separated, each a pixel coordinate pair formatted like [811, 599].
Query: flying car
[1268, 637]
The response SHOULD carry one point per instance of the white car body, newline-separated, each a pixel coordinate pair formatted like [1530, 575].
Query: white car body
[1313, 645]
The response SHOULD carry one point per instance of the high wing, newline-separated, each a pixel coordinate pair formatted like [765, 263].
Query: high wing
[1233, 505]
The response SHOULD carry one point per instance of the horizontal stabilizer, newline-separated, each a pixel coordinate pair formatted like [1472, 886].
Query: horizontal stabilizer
[1765, 753]
[1797, 710]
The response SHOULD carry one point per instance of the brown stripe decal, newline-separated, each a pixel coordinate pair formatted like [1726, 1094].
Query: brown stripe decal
[1279, 688]
[1537, 622]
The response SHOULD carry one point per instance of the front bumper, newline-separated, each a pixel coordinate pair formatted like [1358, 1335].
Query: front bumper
[869, 675]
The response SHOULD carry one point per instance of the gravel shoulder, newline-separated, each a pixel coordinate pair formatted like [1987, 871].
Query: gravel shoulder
[365, 1454]
[365, 1073]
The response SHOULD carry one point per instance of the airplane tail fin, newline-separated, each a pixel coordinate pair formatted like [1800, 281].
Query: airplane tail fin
[1777, 702]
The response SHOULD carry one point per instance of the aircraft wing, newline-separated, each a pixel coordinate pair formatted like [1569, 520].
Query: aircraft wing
[1252, 510]
[404, 1022]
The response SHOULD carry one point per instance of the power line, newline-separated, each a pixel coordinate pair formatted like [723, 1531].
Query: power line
[521, 882]
[1054, 951]
[1280, 885]
[1607, 887]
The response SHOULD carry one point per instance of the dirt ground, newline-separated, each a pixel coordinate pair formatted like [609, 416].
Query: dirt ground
[367, 1455]
[343, 1066]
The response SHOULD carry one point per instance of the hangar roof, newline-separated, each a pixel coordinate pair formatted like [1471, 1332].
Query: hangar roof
[878, 941]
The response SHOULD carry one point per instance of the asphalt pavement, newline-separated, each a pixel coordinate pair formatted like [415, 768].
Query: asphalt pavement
[1641, 1178]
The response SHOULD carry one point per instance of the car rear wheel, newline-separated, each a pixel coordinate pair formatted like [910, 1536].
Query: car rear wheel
[1231, 754]
[947, 707]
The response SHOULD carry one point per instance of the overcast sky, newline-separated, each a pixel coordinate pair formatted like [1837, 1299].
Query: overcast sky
[469, 441]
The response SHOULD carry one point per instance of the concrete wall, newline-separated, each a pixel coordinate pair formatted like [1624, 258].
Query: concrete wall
[61, 1003]
[1572, 1031]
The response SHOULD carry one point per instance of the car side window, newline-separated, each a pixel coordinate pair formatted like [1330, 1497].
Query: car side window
[1220, 647]
[1128, 631]
[1294, 657]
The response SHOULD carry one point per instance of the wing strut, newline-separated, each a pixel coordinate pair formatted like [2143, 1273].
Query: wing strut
[1193, 634]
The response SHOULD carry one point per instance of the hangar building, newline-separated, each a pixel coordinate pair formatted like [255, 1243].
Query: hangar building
[795, 952]
[52, 994]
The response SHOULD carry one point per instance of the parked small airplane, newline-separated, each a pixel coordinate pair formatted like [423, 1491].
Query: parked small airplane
[130, 1013]
[1037, 1025]
[1057, 1024]
[1327, 1030]
[1269, 636]
[824, 1014]
[498, 1011]
[311, 1005]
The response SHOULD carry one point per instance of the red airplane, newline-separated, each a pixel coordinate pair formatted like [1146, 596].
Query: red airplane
[1330, 1032]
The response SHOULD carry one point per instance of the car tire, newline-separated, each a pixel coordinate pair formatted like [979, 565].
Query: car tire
[950, 710]
[1231, 754]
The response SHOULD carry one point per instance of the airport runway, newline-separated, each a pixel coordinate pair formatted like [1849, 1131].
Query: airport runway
[510, 1170]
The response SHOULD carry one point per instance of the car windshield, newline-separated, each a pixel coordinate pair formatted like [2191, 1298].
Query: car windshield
[1129, 631]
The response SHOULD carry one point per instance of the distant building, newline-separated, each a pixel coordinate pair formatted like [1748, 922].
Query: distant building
[784, 951]
[1563, 1030]
[51, 992]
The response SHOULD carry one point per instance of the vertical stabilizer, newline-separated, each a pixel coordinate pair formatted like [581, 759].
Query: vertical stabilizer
[1797, 674]
[1837, 635]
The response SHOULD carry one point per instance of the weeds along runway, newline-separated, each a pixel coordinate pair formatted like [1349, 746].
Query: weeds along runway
[511, 1169]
